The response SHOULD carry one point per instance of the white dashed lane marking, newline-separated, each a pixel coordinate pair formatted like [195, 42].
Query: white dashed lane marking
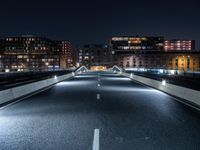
[96, 140]
[98, 96]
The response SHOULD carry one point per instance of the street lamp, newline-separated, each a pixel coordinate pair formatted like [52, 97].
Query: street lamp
[163, 82]
[131, 75]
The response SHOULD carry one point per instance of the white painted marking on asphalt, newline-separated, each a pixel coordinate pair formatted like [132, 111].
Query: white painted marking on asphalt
[98, 77]
[96, 140]
[98, 96]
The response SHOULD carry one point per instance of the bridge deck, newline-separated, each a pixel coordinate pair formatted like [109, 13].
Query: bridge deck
[99, 108]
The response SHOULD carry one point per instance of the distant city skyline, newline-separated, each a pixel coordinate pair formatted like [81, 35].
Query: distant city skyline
[85, 22]
[105, 42]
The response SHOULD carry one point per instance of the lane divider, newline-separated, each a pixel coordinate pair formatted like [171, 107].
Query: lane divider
[96, 140]
[98, 96]
[98, 77]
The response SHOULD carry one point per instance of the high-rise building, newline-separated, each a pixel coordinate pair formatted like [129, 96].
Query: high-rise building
[177, 44]
[94, 55]
[134, 45]
[31, 53]
[67, 50]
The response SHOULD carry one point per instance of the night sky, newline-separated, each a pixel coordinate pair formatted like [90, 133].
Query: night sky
[92, 21]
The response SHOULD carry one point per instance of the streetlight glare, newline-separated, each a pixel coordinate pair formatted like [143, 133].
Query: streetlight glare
[164, 82]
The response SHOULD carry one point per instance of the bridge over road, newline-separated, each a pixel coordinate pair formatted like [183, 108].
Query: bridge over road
[99, 111]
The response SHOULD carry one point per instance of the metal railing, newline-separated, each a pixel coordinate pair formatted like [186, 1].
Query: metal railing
[163, 71]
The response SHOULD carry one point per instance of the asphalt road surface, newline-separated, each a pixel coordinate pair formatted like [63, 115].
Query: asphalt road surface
[99, 111]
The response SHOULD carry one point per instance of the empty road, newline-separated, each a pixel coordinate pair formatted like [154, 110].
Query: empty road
[99, 111]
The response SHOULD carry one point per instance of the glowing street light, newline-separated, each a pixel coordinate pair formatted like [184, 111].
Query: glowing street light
[163, 83]
[131, 75]
[7, 70]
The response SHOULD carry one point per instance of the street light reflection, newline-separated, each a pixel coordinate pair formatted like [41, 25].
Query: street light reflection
[127, 89]
[164, 82]
[116, 79]
[73, 83]
[85, 76]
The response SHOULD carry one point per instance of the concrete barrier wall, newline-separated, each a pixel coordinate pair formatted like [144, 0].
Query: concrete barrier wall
[19, 91]
[192, 96]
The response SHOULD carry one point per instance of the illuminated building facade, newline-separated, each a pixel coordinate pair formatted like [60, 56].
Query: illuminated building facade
[134, 45]
[31, 53]
[183, 60]
[155, 52]
[141, 60]
[126, 43]
[173, 60]
[94, 55]
[66, 47]
[170, 45]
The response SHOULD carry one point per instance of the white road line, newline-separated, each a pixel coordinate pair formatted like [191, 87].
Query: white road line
[96, 140]
[98, 77]
[98, 96]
